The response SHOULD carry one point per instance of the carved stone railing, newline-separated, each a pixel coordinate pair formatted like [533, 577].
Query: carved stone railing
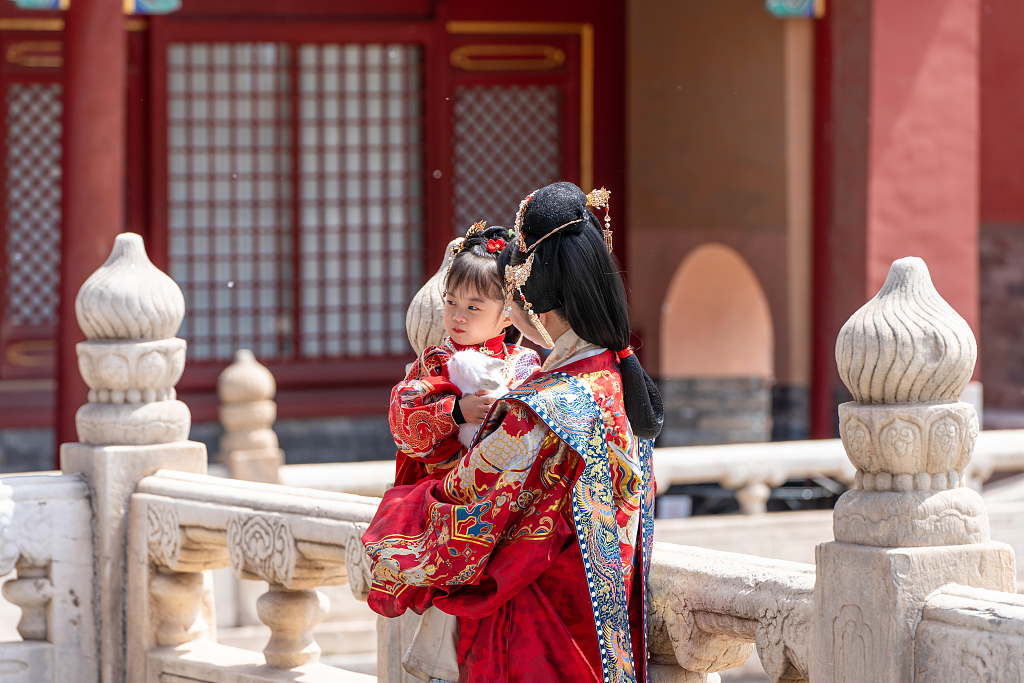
[970, 634]
[710, 610]
[296, 540]
[46, 536]
[751, 469]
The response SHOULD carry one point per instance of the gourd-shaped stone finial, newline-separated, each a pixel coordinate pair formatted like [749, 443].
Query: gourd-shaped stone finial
[128, 297]
[424, 321]
[130, 312]
[906, 345]
[249, 445]
[245, 380]
[906, 356]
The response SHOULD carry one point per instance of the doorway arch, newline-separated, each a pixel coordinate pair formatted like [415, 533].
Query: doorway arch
[716, 321]
[717, 351]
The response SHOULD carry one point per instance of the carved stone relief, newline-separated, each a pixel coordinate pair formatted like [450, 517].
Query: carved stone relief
[262, 547]
[357, 562]
[24, 534]
[163, 534]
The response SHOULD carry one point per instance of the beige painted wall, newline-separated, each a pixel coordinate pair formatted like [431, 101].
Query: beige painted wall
[716, 92]
[716, 321]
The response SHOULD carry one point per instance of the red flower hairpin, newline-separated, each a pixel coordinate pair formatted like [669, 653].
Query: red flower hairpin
[494, 246]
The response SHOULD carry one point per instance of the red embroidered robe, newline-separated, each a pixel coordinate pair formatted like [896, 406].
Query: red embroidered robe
[421, 407]
[493, 543]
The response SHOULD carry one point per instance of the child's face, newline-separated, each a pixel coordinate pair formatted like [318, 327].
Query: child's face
[472, 318]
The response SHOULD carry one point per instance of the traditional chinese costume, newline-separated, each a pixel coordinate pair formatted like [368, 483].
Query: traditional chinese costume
[538, 539]
[423, 403]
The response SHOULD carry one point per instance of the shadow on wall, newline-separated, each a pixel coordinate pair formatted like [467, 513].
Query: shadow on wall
[717, 347]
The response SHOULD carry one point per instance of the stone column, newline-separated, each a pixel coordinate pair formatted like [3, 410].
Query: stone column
[910, 525]
[132, 425]
[247, 411]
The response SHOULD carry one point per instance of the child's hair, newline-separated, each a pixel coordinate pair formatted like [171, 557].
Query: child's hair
[476, 266]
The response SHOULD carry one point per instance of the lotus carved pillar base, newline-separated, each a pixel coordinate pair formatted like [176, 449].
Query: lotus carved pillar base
[910, 480]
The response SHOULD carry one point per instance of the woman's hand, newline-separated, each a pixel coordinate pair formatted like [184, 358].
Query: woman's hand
[474, 408]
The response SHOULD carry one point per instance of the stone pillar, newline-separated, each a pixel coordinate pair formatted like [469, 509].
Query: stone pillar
[132, 425]
[247, 411]
[910, 525]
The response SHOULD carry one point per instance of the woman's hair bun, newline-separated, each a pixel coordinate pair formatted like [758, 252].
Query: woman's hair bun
[553, 206]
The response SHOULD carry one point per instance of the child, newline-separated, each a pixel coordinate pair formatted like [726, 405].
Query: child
[427, 408]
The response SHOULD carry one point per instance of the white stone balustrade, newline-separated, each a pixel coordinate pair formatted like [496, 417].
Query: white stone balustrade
[294, 539]
[736, 466]
[970, 634]
[709, 610]
[130, 311]
[424, 322]
[247, 411]
[46, 535]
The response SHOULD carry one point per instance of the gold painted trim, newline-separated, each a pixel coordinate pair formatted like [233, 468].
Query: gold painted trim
[13, 24]
[24, 354]
[16, 54]
[586, 34]
[516, 57]
[587, 107]
[19, 24]
[533, 27]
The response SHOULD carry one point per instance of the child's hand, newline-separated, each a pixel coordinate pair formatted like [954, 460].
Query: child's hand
[474, 408]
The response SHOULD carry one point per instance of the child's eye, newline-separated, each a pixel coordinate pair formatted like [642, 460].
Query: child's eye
[473, 308]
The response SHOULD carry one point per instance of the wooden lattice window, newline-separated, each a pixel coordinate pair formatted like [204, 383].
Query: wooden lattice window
[295, 196]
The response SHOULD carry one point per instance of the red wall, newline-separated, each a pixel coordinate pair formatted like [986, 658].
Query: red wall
[923, 153]
[1002, 111]
[899, 138]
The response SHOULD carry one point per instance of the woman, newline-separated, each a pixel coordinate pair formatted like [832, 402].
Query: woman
[539, 539]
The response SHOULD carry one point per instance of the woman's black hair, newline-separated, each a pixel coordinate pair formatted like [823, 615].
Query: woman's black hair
[574, 275]
[476, 266]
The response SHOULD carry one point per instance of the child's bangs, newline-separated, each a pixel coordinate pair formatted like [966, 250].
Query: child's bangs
[479, 273]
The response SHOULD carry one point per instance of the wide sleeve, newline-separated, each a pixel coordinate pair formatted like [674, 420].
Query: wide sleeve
[469, 542]
[420, 413]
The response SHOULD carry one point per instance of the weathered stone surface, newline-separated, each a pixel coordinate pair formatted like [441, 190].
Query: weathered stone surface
[868, 601]
[910, 526]
[970, 634]
[906, 345]
[128, 297]
[112, 472]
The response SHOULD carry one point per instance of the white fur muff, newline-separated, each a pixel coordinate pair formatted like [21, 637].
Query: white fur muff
[473, 372]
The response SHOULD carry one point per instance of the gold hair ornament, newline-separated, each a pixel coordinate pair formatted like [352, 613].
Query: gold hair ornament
[601, 199]
[516, 276]
[458, 245]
